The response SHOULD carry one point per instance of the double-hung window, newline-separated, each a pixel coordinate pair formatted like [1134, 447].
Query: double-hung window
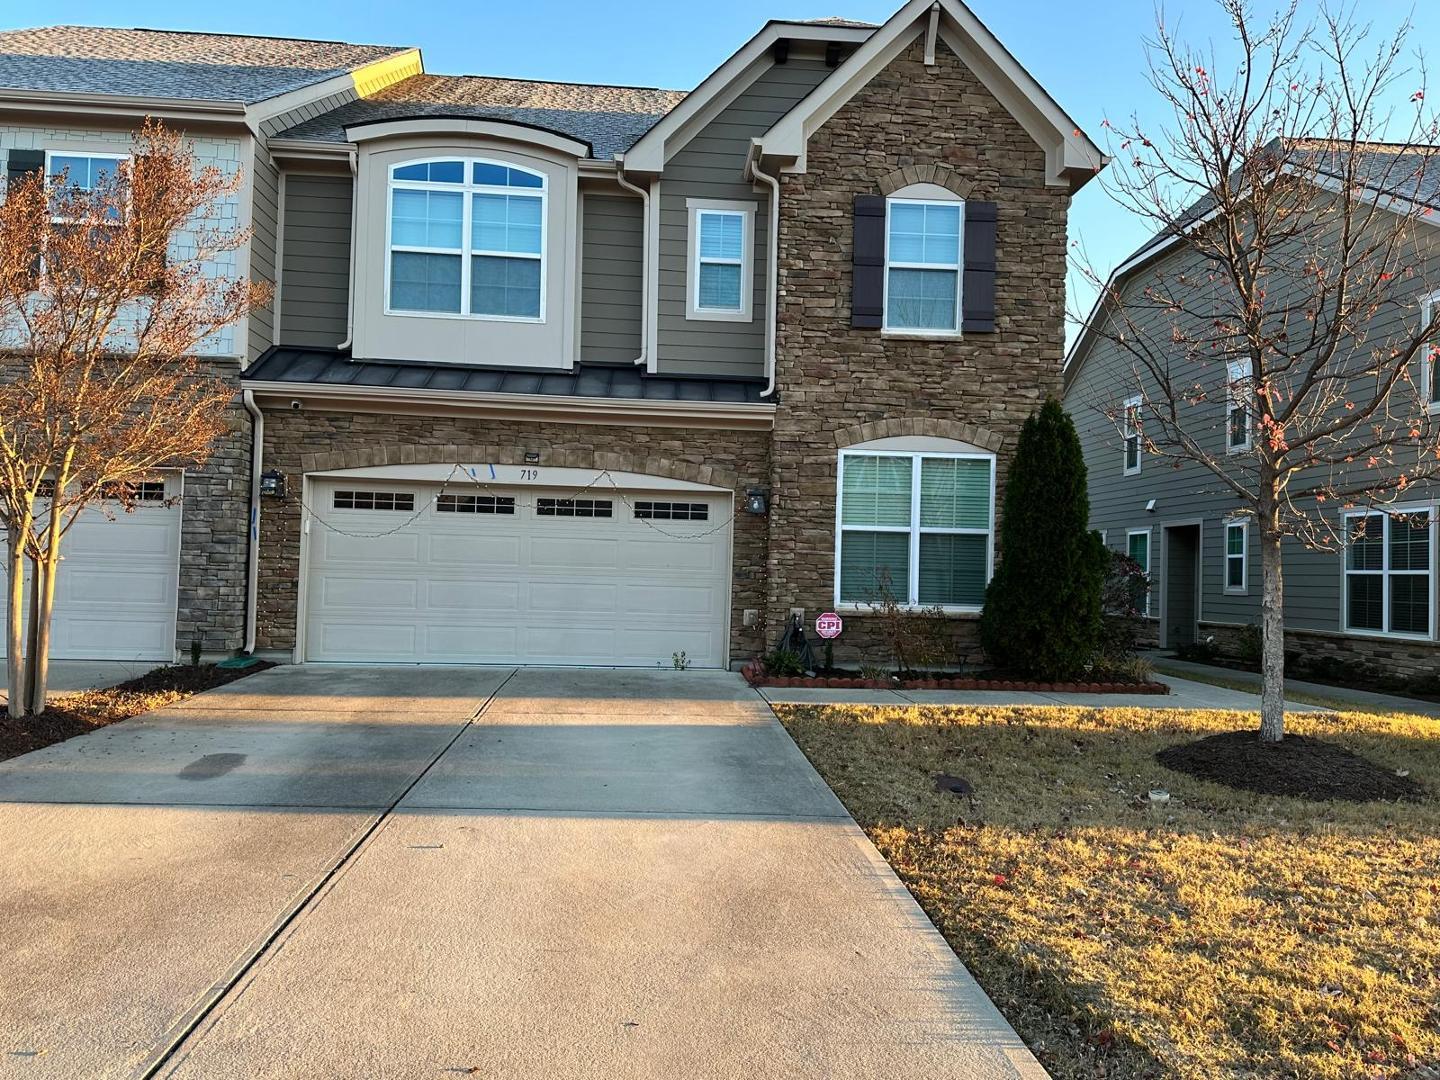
[1430, 354]
[1137, 546]
[923, 264]
[1130, 435]
[721, 246]
[1237, 552]
[1387, 572]
[467, 237]
[915, 527]
[80, 172]
[1238, 397]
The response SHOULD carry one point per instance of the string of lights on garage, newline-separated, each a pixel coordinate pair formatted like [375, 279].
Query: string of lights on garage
[468, 477]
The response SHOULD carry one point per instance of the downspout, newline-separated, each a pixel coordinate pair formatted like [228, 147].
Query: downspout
[354, 216]
[772, 265]
[252, 554]
[644, 193]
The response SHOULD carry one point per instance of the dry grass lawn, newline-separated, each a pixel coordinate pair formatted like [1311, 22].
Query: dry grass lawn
[1228, 934]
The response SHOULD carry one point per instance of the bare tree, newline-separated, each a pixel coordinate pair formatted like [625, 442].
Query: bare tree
[107, 295]
[1296, 304]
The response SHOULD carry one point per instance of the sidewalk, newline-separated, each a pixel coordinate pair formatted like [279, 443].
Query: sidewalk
[1362, 700]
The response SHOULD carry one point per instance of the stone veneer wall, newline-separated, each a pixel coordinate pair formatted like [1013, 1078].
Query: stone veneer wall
[300, 442]
[939, 125]
[1407, 659]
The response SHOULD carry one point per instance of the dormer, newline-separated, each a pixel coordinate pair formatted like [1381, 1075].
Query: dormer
[466, 242]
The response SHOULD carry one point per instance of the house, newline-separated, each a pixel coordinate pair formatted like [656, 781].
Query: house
[1363, 589]
[573, 374]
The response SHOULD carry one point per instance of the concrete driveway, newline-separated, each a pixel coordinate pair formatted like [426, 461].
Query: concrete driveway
[424, 872]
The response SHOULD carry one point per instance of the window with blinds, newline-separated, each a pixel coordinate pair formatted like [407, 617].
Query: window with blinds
[916, 527]
[1387, 572]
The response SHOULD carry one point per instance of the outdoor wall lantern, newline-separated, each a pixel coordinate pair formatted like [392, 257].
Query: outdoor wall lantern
[272, 484]
[757, 501]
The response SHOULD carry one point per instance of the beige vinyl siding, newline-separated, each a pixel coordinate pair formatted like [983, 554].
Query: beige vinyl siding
[611, 269]
[1313, 587]
[711, 166]
[316, 260]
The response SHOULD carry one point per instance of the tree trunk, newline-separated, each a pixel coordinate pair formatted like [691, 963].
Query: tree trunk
[1272, 630]
[15, 628]
[46, 570]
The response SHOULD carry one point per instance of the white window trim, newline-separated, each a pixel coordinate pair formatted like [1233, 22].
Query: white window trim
[1427, 307]
[914, 529]
[1243, 524]
[959, 268]
[1389, 513]
[693, 311]
[466, 190]
[1149, 562]
[1127, 433]
[112, 155]
[1237, 372]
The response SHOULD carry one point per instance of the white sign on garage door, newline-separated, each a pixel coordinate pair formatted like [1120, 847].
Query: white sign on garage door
[116, 593]
[517, 575]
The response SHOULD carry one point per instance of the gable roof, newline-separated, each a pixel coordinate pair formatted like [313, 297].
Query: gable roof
[173, 64]
[1408, 173]
[609, 118]
[1073, 159]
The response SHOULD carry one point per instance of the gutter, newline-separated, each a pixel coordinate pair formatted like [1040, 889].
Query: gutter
[760, 414]
[252, 554]
[772, 255]
[644, 193]
[354, 157]
[219, 111]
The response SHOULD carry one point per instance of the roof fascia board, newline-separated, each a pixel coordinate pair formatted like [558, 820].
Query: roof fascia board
[720, 89]
[369, 131]
[128, 106]
[584, 409]
[363, 80]
[309, 149]
[1068, 148]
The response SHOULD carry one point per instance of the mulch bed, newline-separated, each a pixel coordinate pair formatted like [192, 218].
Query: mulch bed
[85, 711]
[1298, 766]
[756, 677]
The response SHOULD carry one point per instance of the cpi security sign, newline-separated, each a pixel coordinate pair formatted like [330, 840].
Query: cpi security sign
[829, 625]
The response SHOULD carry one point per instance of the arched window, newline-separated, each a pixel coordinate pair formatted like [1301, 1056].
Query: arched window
[466, 237]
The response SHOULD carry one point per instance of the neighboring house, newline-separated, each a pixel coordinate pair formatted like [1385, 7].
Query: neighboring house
[601, 375]
[147, 584]
[1371, 597]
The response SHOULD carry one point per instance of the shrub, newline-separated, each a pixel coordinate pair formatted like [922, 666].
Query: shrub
[1042, 609]
[783, 662]
[915, 639]
[1122, 591]
[1247, 645]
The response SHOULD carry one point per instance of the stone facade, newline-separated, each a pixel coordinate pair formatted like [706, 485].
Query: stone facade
[911, 123]
[1397, 657]
[301, 442]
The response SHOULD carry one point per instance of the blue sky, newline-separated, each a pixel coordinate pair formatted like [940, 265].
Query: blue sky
[1089, 56]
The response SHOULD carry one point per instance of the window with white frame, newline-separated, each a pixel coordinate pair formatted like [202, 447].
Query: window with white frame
[1387, 572]
[1237, 554]
[1430, 354]
[1237, 408]
[916, 526]
[81, 172]
[721, 254]
[467, 238]
[1137, 546]
[1130, 435]
[923, 265]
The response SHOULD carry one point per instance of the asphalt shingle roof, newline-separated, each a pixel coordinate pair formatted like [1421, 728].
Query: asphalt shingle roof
[167, 63]
[329, 367]
[610, 118]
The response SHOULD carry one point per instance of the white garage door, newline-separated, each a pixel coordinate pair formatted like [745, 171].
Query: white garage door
[116, 592]
[398, 572]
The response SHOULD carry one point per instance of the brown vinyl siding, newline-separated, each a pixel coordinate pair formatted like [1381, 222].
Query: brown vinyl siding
[611, 277]
[314, 305]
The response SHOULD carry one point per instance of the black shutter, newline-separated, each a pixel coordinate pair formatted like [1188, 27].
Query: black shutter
[23, 163]
[867, 292]
[979, 290]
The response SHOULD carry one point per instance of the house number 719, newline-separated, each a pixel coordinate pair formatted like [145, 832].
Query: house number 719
[529, 474]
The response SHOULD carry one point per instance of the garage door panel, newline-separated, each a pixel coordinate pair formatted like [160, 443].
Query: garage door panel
[99, 637]
[520, 588]
[467, 552]
[147, 531]
[340, 547]
[365, 593]
[486, 595]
